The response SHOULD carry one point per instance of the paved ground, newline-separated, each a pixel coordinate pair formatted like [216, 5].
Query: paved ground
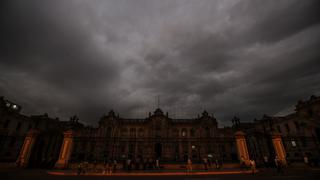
[296, 174]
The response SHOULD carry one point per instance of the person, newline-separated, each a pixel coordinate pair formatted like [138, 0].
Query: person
[253, 166]
[189, 165]
[145, 163]
[209, 163]
[110, 165]
[205, 163]
[95, 163]
[105, 165]
[114, 165]
[157, 164]
[266, 161]
[242, 162]
[129, 164]
[79, 169]
[216, 162]
[124, 164]
[278, 164]
[150, 163]
[137, 163]
[306, 160]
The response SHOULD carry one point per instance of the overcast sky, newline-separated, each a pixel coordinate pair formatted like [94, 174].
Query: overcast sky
[230, 57]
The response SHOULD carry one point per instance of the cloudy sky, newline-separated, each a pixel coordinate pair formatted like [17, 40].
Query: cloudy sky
[230, 57]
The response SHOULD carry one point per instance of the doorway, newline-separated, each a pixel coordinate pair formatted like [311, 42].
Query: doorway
[158, 150]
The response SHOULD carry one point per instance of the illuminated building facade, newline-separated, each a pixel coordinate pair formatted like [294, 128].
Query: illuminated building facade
[41, 141]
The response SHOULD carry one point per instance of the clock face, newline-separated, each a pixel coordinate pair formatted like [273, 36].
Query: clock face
[14, 106]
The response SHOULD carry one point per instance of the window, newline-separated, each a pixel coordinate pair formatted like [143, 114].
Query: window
[12, 142]
[6, 124]
[184, 133]
[141, 132]
[293, 143]
[109, 132]
[297, 125]
[207, 132]
[192, 132]
[175, 132]
[131, 148]
[287, 127]
[36, 125]
[132, 132]
[84, 145]
[18, 126]
[279, 129]
[124, 132]
[29, 127]
[304, 142]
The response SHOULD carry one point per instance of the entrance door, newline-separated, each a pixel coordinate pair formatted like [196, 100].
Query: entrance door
[158, 149]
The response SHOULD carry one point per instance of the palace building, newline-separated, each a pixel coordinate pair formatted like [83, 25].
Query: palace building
[41, 141]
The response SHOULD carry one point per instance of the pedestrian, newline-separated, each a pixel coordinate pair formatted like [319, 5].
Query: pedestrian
[253, 166]
[145, 163]
[205, 163]
[124, 163]
[79, 169]
[114, 165]
[95, 166]
[266, 161]
[110, 165]
[105, 165]
[150, 164]
[216, 162]
[278, 164]
[242, 162]
[209, 163]
[137, 163]
[157, 164]
[306, 160]
[129, 164]
[189, 165]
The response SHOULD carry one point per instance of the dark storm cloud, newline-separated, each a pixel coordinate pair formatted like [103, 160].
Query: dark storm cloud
[239, 57]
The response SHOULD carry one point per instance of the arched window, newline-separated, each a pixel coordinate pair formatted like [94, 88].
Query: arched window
[124, 132]
[132, 132]
[6, 124]
[109, 132]
[175, 132]
[207, 130]
[141, 132]
[184, 132]
[18, 126]
[12, 142]
[192, 132]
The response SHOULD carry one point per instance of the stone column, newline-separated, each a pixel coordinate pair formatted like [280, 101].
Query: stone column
[242, 149]
[66, 150]
[278, 147]
[26, 149]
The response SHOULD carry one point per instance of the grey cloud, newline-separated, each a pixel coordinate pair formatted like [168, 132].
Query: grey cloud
[242, 57]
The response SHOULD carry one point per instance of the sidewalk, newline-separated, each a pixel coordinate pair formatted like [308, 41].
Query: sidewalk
[150, 173]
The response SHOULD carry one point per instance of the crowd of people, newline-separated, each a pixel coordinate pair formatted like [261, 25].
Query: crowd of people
[141, 164]
[210, 163]
[128, 164]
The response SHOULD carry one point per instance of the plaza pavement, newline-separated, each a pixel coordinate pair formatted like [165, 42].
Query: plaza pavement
[263, 174]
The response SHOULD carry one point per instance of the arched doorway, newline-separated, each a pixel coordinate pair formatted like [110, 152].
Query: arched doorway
[158, 150]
